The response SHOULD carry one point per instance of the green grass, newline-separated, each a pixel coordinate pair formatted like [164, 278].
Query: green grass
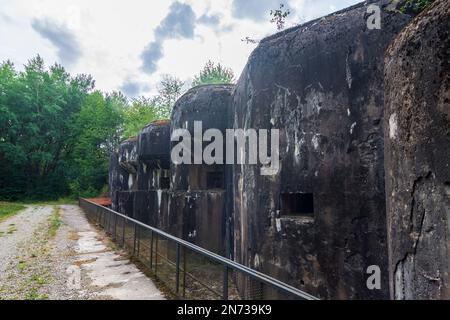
[39, 279]
[60, 201]
[34, 294]
[8, 209]
[22, 265]
[55, 222]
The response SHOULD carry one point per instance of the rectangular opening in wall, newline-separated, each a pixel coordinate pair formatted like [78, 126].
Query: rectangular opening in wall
[297, 204]
[215, 180]
[164, 181]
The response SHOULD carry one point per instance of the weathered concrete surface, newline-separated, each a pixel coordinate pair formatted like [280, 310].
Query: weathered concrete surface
[107, 274]
[128, 160]
[152, 145]
[139, 171]
[118, 179]
[125, 200]
[321, 84]
[198, 196]
[154, 156]
[199, 215]
[209, 104]
[123, 177]
[152, 208]
[417, 155]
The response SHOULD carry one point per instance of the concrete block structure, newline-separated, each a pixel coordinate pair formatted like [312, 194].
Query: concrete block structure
[364, 160]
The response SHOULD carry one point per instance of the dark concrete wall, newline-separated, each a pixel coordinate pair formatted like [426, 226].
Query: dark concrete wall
[153, 149]
[195, 202]
[152, 145]
[118, 179]
[417, 154]
[210, 104]
[125, 200]
[321, 84]
[128, 160]
[128, 157]
[177, 199]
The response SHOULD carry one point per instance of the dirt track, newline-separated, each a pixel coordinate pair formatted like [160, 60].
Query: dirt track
[76, 262]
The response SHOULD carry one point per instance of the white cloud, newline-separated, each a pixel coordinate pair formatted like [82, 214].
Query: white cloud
[61, 37]
[112, 34]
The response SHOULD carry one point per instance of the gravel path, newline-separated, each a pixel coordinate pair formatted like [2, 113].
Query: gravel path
[16, 230]
[77, 262]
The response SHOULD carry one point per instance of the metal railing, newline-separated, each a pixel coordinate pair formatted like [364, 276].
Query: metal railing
[187, 270]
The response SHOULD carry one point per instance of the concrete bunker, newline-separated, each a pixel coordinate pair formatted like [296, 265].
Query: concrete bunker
[417, 157]
[320, 222]
[126, 170]
[118, 180]
[199, 191]
[153, 178]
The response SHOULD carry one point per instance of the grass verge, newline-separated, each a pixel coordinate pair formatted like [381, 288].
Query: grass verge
[8, 209]
[60, 201]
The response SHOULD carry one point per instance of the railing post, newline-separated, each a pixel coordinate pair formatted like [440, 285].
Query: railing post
[123, 232]
[139, 242]
[151, 250]
[184, 272]
[108, 228]
[115, 227]
[134, 240]
[178, 269]
[106, 215]
[227, 255]
[105, 219]
[156, 256]
[225, 283]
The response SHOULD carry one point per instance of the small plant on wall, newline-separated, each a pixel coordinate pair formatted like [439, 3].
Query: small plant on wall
[415, 6]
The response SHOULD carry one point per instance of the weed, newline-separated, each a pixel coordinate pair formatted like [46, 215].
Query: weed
[22, 265]
[33, 294]
[55, 222]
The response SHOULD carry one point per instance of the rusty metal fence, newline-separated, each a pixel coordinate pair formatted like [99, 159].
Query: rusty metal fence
[188, 271]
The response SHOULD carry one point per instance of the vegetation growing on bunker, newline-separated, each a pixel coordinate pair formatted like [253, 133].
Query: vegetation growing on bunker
[415, 6]
[214, 74]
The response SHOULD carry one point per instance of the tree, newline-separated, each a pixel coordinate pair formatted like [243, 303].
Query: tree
[170, 90]
[57, 134]
[37, 108]
[141, 112]
[279, 17]
[97, 132]
[214, 74]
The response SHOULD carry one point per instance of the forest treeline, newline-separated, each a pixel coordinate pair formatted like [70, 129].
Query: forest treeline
[57, 131]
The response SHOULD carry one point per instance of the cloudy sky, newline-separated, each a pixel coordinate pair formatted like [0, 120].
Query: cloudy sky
[128, 45]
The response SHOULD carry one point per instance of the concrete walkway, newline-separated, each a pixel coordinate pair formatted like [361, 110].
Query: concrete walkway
[114, 276]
